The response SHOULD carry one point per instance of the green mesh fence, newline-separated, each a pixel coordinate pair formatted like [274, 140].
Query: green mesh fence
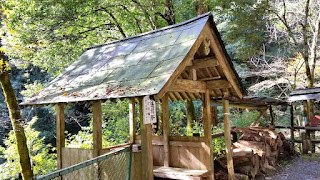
[110, 166]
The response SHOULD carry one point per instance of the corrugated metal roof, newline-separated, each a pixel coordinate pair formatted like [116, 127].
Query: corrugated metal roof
[304, 94]
[135, 66]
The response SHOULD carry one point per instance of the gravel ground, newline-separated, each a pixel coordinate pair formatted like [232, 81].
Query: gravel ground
[303, 167]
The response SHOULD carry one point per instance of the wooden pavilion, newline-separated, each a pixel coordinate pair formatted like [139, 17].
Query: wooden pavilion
[185, 61]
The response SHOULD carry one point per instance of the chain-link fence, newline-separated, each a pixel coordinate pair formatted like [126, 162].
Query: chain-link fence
[110, 166]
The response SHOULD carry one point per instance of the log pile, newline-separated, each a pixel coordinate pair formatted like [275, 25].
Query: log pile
[257, 151]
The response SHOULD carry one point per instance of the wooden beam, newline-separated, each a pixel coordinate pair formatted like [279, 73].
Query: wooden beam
[255, 122]
[204, 63]
[60, 133]
[132, 119]
[218, 84]
[97, 127]
[146, 146]
[184, 85]
[207, 133]
[166, 129]
[227, 135]
[210, 78]
[242, 106]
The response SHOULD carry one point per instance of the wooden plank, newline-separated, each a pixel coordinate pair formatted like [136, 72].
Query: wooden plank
[255, 122]
[174, 157]
[180, 68]
[186, 138]
[185, 85]
[60, 133]
[242, 106]
[146, 146]
[194, 153]
[184, 159]
[207, 133]
[210, 78]
[97, 127]
[218, 84]
[222, 58]
[132, 119]
[179, 173]
[166, 129]
[204, 63]
[227, 135]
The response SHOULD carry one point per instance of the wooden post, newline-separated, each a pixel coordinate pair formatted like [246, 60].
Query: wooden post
[227, 135]
[60, 133]
[272, 118]
[97, 127]
[132, 119]
[207, 133]
[146, 146]
[292, 123]
[166, 129]
[307, 124]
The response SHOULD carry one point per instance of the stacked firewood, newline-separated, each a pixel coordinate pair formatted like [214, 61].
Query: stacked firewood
[257, 151]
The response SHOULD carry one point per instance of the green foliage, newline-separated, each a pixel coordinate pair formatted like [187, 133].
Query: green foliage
[43, 161]
[244, 119]
[115, 127]
[243, 24]
[116, 122]
[218, 144]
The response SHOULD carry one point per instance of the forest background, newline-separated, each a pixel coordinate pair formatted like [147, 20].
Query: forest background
[272, 43]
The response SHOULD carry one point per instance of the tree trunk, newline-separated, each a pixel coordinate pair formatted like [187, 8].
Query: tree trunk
[201, 7]
[15, 115]
[17, 124]
[191, 116]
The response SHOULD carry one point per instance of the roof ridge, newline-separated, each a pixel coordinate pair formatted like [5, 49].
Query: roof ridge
[153, 31]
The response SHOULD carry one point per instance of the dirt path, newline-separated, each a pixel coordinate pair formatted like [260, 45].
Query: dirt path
[302, 168]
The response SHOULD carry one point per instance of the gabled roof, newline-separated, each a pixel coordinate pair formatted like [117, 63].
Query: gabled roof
[304, 94]
[136, 66]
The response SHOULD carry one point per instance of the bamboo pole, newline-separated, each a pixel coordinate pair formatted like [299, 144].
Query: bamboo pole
[227, 135]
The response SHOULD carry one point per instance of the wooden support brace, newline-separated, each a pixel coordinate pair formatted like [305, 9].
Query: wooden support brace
[255, 122]
[60, 133]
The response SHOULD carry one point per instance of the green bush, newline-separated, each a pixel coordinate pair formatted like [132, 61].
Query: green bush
[43, 162]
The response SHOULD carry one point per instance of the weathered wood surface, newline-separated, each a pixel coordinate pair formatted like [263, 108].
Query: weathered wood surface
[166, 130]
[179, 173]
[146, 146]
[227, 135]
[97, 127]
[132, 119]
[257, 150]
[60, 133]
